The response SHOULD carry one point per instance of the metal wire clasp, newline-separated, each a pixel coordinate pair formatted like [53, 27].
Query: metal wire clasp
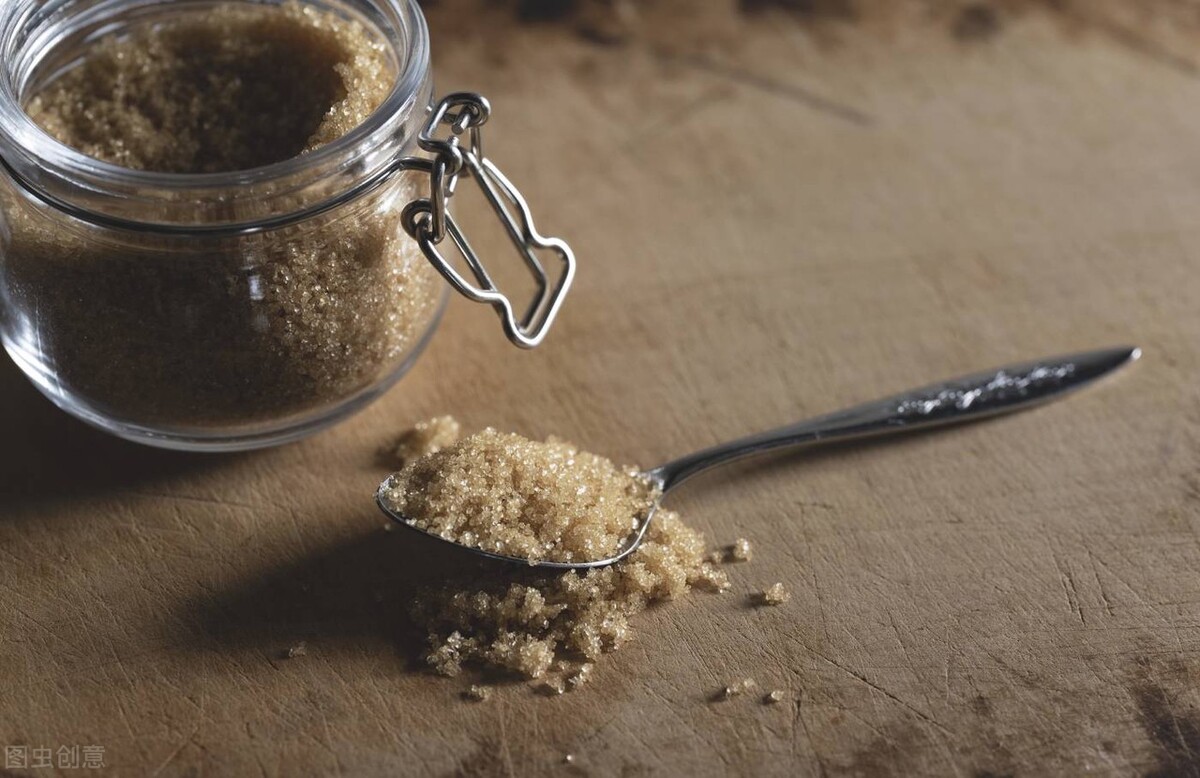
[428, 219]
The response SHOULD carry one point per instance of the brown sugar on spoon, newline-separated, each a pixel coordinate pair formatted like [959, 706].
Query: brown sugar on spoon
[510, 495]
[522, 494]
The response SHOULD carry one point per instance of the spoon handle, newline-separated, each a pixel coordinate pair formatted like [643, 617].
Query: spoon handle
[972, 397]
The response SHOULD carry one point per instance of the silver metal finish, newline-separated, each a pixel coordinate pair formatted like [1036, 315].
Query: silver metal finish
[428, 220]
[969, 398]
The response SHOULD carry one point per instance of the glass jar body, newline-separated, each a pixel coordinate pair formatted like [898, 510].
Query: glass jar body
[206, 342]
[199, 338]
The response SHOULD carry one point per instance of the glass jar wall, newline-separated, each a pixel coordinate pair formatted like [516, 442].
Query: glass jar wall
[209, 310]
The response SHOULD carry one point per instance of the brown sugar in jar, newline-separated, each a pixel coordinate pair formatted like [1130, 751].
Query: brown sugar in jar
[223, 222]
[227, 113]
[238, 87]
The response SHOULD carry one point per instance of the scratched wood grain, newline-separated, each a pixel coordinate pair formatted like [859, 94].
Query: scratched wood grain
[780, 208]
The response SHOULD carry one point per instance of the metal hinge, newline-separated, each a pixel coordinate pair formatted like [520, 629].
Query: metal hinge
[428, 219]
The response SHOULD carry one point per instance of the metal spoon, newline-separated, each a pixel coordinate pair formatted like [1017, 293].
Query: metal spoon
[969, 398]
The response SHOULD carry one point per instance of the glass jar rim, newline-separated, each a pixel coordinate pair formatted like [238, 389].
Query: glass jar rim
[44, 164]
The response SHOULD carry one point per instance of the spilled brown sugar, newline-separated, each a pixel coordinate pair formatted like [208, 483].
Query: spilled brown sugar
[741, 551]
[545, 625]
[775, 594]
[534, 500]
[740, 687]
[552, 625]
[478, 693]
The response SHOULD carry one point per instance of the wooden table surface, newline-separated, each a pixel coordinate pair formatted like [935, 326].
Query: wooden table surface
[779, 209]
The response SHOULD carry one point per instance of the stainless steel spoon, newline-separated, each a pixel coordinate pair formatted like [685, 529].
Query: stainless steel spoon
[969, 398]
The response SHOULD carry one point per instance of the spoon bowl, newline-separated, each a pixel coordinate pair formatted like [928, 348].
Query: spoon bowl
[968, 398]
[632, 541]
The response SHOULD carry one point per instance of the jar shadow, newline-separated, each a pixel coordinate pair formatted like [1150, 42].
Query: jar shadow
[342, 601]
[46, 454]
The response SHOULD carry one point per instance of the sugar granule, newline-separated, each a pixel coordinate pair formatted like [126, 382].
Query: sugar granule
[478, 693]
[426, 437]
[775, 594]
[774, 697]
[741, 551]
[553, 686]
[580, 675]
[738, 688]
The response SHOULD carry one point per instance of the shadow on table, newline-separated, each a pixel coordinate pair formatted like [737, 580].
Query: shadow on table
[46, 454]
[346, 597]
[335, 599]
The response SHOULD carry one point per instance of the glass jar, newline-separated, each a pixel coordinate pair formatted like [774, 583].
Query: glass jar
[236, 310]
